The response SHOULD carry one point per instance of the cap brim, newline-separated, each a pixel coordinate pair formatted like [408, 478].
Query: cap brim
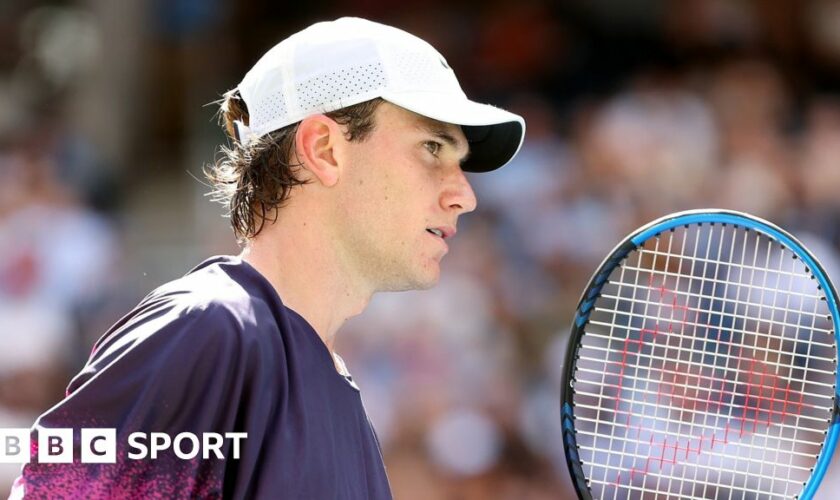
[494, 135]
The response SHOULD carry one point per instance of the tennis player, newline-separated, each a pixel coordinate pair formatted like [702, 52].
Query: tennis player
[344, 177]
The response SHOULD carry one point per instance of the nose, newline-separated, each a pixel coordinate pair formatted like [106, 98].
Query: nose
[458, 194]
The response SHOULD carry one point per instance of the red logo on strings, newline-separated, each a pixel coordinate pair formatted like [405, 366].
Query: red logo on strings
[764, 396]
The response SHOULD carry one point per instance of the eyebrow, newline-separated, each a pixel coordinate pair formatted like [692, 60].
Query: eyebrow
[441, 133]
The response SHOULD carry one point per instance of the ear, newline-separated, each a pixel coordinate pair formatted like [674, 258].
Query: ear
[317, 139]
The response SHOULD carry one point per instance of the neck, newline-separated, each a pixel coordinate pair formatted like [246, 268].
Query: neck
[301, 262]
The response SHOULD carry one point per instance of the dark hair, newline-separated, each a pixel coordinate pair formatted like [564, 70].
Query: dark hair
[254, 181]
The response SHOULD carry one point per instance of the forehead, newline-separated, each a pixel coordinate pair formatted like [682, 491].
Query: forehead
[437, 127]
[393, 113]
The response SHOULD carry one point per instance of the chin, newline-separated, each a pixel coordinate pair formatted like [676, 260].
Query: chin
[421, 279]
[429, 276]
[429, 283]
[418, 283]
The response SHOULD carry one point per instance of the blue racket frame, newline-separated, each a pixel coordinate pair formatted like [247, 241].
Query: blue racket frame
[637, 239]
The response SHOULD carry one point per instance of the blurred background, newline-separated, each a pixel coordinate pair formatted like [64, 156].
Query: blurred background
[635, 109]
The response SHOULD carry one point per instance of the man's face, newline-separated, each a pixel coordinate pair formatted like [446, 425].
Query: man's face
[401, 185]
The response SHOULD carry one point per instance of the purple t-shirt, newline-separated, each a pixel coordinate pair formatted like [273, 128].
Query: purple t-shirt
[215, 352]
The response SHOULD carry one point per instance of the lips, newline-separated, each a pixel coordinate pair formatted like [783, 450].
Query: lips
[443, 232]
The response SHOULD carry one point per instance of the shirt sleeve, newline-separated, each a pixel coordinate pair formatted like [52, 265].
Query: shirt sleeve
[163, 370]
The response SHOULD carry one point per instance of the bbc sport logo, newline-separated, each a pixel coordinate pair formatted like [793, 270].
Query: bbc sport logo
[56, 446]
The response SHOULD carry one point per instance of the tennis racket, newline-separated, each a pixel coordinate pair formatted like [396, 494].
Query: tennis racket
[703, 364]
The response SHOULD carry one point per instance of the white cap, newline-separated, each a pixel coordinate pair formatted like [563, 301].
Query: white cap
[332, 65]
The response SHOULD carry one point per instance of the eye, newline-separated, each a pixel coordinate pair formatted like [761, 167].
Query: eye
[433, 147]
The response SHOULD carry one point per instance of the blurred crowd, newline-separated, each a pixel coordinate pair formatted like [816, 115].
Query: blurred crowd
[634, 110]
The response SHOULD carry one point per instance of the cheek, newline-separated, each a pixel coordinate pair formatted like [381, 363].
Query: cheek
[390, 188]
[371, 202]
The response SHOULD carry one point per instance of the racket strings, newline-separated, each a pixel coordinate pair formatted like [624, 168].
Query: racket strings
[706, 370]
